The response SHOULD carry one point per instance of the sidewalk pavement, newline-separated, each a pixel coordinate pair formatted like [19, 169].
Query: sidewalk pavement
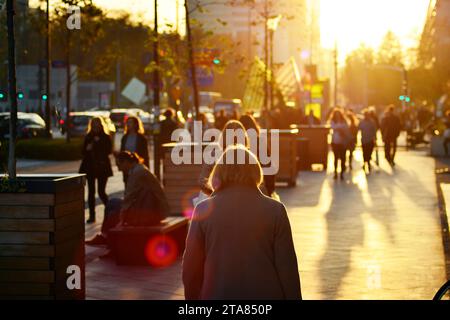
[368, 237]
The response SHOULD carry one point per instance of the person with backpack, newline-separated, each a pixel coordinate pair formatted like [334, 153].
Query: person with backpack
[390, 130]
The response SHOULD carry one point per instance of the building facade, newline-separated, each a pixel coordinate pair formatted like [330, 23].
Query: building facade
[297, 35]
[435, 41]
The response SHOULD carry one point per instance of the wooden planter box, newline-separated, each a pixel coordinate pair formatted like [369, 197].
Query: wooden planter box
[288, 157]
[41, 235]
[181, 182]
[317, 144]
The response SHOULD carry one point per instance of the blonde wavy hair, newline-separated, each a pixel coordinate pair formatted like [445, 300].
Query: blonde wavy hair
[232, 133]
[225, 174]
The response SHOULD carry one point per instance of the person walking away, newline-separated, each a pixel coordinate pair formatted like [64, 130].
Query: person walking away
[167, 126]
[353, 129]
[390, 130]
[239, 244]
[339, 141]
[144, 202]
[312, 120]
[368, 137]
[233, 128]
[134, 140]
[374, 117]
[249, 123]
[220, 120]
[96, 164]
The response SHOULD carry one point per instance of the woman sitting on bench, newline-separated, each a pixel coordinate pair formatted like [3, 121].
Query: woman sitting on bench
[144, 203]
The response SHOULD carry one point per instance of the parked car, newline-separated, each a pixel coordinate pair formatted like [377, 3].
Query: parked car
[79, 122]
[229, 106]
[29, 125]
[119, 116]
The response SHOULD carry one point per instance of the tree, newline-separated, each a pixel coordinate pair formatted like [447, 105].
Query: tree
[390, 51]
[63, 15]
[356, 74]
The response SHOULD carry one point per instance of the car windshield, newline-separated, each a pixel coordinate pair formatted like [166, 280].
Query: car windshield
[80, 120]
[117, 116]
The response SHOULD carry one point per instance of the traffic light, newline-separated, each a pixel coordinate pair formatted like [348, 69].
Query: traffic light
[407, 99]
[20, 96]
[44, 97]
[3, 96]
[216, 61]
[401, 98]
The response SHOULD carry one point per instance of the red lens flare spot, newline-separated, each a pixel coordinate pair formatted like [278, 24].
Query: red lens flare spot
[161, 251]
[187, 203]
[188, 213]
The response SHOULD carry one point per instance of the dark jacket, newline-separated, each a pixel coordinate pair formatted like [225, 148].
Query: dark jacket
[145, 202]
[390, 127]
[141, 147]
[168, 126]
[240, 246]
[96, 162]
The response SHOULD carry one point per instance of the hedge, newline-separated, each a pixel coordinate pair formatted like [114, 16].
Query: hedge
[45, 149]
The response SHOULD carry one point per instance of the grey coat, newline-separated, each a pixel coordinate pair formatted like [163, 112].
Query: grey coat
[239, 246]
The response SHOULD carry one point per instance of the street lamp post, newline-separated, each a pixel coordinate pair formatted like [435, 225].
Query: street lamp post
[12, 89]
[48, 71]
[336, 74]
[272, 25]
[266, 57]
[191, 62]
[156, 146]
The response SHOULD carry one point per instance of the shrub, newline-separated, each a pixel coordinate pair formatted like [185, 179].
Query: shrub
[50, 149]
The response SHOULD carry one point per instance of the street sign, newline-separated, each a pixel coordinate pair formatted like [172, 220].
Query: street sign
[288, 80]
[205, 77]
[316, 108]
[135, 91]
[254, 89]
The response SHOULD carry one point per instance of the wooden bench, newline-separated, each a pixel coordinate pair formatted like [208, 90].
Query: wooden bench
[130, 244]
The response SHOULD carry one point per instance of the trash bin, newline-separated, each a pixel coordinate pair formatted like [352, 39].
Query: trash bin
[303, 159]
[288, 157]
[318, 143]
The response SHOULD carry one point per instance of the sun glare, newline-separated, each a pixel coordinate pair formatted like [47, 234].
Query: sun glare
[352, 22]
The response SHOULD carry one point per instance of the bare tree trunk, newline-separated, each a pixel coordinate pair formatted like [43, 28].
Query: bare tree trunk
[12, 89]
[68, 86]
[191, 62]
[266, 57]
[156, 144]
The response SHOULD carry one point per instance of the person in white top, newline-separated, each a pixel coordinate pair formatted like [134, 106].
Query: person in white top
[339, 141]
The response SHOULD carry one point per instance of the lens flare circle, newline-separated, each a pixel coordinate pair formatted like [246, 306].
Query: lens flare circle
[161, 251]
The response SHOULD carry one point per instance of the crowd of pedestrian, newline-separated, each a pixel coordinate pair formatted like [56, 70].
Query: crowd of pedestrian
[238, 215]
[346, 126]
[239, 244]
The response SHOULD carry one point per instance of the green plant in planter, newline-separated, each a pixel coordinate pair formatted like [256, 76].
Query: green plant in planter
[9, 185]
